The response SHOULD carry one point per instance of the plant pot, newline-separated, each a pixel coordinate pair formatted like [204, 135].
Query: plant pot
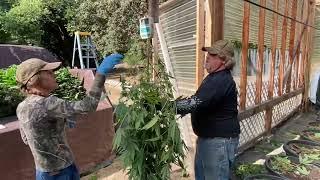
[309, 135]
[290, 151]
[314, 125]
[314, 170]
[265, 176]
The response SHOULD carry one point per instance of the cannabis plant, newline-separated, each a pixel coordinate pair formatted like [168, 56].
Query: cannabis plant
[148, 138]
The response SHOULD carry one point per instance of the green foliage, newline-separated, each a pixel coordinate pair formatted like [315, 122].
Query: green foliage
[22, 21]
[285, 166]
[245, 170]
[9, 92]
[70, 88]
[39, 22]
[148, 138]
[114, 23]
[136, 54]
[238, 45]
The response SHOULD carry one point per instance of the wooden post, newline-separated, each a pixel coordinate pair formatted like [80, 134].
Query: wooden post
[218, 19]
[283, 48]
[154, 14]
[291, 44]
[309, 53]
[299, 38]
[262, 17]
[200, 42]
[209, 12]
[244, 57]
[303, 43]
[268, 122]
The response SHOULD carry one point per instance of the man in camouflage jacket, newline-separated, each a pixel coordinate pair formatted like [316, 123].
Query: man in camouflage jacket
[43, 117]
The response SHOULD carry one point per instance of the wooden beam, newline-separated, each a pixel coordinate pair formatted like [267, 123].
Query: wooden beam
[291, 44]
[268, 121]
[200, 42]
[154, 10]
[283, 48]
[262, 19]
[154, 14]
[273, 49]
[303, 43]
[309, 53]
[244, 57]
[267, 104]
[208, 23]
[299, 38]
[218, 19]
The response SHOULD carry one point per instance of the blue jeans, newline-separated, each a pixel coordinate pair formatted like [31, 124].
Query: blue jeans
[214, 158]
[69, 173]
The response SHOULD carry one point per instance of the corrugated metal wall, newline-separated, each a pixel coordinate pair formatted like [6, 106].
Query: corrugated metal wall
[234, 16]
[179, 27]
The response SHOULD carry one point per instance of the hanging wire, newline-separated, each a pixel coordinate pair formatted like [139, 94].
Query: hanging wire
[256, 4]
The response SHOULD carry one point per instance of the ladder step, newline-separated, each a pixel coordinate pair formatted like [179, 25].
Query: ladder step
[89, 57]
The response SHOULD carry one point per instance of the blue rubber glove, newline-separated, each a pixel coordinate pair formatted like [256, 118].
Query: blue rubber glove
[108, 63]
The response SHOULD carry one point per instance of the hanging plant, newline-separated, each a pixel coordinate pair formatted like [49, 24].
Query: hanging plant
[148, 138]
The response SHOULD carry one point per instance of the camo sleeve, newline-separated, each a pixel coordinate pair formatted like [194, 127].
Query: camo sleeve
[23, 136]
[60, 108]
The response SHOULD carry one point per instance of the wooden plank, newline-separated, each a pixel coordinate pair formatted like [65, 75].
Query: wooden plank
[268, 121]
[218, 19]
[291, 44]
[155, 56]
[209, 13]
[262, 19]
[244, 57]
[153, 6]
[154, 13]
[200, 42]
[283, 48]
[309, 53]
[299, 38]
[303, 43]
[267, 104]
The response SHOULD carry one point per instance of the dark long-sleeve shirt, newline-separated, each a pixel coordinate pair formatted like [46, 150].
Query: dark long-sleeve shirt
[213, 108]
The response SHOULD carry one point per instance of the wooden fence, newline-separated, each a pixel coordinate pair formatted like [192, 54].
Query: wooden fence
[272, 79]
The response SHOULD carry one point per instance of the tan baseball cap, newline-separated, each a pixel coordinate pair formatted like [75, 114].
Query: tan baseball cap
[30, 67]
[221, 48]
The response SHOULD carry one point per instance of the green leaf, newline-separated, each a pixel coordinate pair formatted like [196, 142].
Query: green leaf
[317, 135]
[303, 170]
[153, 139]
[151, 123]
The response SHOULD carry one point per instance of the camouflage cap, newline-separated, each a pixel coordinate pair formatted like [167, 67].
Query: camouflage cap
[31, 67]
[221, 48]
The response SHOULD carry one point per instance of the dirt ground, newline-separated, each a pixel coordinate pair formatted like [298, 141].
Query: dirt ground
[115, 172]
[257, 154]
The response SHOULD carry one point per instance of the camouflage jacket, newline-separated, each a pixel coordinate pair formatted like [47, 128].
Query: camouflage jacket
[43, 122]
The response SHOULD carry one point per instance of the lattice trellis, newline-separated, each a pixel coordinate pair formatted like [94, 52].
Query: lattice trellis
[251, 94]
[283, 109]
[252, 127]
